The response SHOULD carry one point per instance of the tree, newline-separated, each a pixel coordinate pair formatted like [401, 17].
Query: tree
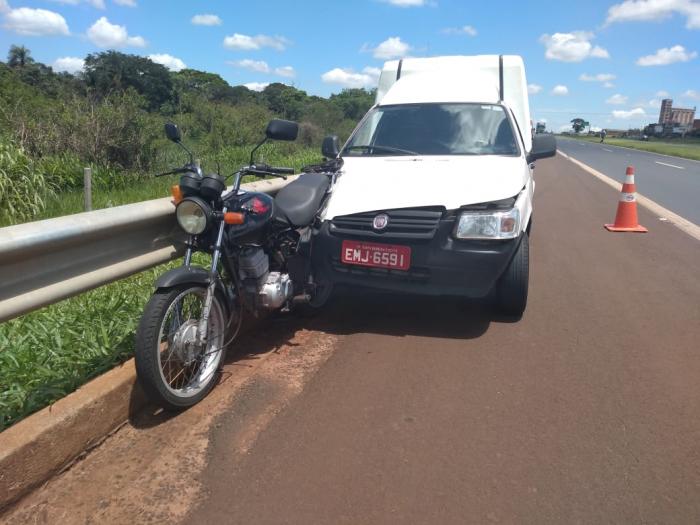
[578, 124]
[114, 72]
[285, 100]
[19, 56]
[354, 102]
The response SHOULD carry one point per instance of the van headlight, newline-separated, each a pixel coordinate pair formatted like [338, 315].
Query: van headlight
[193, 215]
[488, 225]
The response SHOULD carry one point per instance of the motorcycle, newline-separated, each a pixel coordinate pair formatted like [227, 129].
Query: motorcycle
[260, 250]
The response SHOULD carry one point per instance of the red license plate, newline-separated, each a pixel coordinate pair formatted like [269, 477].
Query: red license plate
[389, 256]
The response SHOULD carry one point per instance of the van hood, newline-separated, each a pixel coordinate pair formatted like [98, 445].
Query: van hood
[386, 183]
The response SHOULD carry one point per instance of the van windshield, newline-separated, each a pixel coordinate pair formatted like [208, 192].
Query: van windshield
[434, 129]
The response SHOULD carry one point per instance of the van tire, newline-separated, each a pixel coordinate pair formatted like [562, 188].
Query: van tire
[511, 293]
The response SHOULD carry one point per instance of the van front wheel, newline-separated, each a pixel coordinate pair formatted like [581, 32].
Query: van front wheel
[511, 293]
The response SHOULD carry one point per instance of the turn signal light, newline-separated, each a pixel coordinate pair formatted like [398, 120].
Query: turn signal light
[176, 192]
[231, 217]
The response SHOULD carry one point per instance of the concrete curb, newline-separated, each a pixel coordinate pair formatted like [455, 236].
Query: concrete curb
[46, 442]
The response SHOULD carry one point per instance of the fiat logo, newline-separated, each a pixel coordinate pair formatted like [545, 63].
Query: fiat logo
[380, 221]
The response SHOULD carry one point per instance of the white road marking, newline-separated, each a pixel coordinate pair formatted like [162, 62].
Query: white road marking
[606, 149]
[679, 222]
[670, 165]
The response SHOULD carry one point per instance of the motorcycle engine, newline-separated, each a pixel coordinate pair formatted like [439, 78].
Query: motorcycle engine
[266, 289]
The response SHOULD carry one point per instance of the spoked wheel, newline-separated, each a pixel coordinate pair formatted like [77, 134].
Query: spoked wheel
[174, 368]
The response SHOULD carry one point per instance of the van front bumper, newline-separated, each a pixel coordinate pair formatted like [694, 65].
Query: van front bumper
[439, 266]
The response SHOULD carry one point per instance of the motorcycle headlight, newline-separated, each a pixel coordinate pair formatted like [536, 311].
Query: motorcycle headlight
[193, 215]
[488, 225]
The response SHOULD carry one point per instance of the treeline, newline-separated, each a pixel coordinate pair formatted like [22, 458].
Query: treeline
[110, 116]
[113, 112]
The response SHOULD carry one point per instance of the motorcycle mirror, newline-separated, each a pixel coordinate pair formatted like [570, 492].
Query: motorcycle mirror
[279, 129]
[329, 147]
[173, 132]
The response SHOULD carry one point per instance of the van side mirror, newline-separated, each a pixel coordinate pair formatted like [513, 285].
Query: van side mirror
[173, 132]
[543, 146]
[329, 147]
[279, 129]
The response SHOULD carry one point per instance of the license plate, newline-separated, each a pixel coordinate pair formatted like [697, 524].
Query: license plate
[390, 256]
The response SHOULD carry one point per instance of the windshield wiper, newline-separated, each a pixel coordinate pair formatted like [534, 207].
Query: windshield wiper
[390, 149]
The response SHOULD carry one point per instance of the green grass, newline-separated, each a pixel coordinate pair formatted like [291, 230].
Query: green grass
[125, 188]
[688, 148]
[49, 353]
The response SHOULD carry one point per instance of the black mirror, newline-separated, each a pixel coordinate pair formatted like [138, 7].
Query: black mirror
[329, 147]
[543, 146]
[173, 132]
[279, 129]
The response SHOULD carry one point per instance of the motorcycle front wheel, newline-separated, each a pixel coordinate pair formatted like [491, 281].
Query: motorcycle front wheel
[174, 370]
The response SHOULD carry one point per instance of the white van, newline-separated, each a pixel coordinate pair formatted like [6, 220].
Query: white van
[435, 191]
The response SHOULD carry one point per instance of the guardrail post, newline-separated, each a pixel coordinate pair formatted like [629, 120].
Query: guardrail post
[87, 188]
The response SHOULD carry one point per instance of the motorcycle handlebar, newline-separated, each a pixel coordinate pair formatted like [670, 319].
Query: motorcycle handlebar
[274, 169]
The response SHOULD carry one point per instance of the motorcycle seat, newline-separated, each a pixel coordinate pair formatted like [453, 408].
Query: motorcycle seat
[298, 202]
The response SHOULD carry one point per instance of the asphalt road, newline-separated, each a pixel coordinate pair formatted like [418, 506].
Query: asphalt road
[395, 409]
[673, 182]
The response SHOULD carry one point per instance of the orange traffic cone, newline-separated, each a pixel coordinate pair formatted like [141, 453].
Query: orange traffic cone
[626, 217]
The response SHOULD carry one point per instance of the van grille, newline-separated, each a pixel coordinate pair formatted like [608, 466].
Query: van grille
[409, 223]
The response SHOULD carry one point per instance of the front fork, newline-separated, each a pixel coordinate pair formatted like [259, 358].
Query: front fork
[211, 288]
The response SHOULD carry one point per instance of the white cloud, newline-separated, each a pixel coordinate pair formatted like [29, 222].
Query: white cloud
[406, 3]
[571, 47]
[257, 86]
[662, 94]
[692, 94]
[560, 90]
[654, 103]
[206, 20]
[464, 30]
[608, 85]
[33, 22]
[169, 61]
[348, 78]
[666, 56]
[392, 47]
[126, 3]
[623, 114]
[600, 77]
[285, 71]
[241, 42]
[259, 66]
[617, 99]
[68, 65]
[533, 89]
[654, 10]
[104, 34]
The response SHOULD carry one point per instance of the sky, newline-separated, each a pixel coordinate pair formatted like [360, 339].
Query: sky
[607, 62]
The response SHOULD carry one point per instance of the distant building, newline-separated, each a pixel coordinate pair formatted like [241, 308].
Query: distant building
[696, 123]
[679, 117]
[665, 113]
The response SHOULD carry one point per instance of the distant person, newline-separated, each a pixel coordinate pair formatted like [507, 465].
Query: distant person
[602, 135]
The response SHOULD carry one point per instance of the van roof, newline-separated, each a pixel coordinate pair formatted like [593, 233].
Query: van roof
[440, 87]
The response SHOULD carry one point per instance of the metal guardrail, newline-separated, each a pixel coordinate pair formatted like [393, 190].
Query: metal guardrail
[46, 261]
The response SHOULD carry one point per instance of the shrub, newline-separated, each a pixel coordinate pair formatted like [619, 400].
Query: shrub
[23, 188]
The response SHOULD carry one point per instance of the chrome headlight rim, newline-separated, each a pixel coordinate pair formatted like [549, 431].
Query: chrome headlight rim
[196, 219]
[499, 218]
